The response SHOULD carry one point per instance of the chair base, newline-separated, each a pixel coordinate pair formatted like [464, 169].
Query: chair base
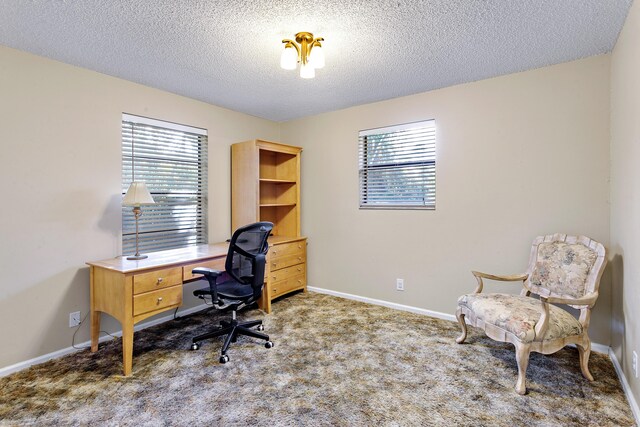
[232, 328]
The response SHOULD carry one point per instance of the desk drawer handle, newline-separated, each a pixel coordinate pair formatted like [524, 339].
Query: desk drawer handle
[274, 265]
[274, 277]
[159, 300]
[299, 269]
[159, 280]
[274, 290]
[275, 252]
[299, 246]
[299, 258]
[300, 281]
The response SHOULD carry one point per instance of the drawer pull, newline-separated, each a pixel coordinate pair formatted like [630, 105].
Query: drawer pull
[299, 281]
[274, 290]
[299, 258]
[299, 269]
[159, 300]
[159, 280]
[274, 277]
[299, 246]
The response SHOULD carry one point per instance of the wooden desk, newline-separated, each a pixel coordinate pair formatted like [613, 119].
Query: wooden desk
[132, 291]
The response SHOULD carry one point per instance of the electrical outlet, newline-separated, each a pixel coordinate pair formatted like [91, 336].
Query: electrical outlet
[634, 364]
[74, 319]
[399, 284]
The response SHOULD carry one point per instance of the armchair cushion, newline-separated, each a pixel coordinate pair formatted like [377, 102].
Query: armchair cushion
[518, 315]
[562, 268]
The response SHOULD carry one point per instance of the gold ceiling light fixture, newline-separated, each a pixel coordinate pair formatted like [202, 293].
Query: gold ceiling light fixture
[307, 51]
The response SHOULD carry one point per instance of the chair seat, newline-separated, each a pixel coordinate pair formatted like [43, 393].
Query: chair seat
[230, 289]
[518, 315]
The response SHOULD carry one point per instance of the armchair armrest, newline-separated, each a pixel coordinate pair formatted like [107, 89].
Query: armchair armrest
[543, 322]
[511, 278]
[589, 299]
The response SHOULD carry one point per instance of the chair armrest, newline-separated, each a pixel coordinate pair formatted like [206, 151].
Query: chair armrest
[207, 272]
[512, 278]
[212, 276]
[589, 299]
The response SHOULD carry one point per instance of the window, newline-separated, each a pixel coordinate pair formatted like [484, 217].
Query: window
[398, 166]
[172, 160]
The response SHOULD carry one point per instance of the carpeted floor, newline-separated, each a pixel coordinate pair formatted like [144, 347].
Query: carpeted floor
[335, 362]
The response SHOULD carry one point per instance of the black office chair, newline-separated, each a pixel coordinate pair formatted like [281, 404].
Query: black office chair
[241, 285]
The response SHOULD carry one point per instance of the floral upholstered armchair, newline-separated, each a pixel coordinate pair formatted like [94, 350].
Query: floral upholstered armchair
[562, 269]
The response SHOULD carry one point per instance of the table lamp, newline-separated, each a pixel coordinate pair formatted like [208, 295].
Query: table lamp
[137, 195]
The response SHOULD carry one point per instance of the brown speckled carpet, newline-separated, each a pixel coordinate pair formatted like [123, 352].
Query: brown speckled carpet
[335, 363]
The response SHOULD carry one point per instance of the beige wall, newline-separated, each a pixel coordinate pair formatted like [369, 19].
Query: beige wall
[61, 182]
[625, 194]
[517, 156]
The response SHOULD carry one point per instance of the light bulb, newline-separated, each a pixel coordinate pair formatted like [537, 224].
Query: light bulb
[316, 58]
[289, 58]
[307, 71]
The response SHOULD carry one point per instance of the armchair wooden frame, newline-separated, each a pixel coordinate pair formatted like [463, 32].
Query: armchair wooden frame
[540, 344]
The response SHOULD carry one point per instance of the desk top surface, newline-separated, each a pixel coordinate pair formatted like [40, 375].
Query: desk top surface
[174, 256]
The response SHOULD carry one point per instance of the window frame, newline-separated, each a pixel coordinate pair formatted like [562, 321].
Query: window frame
[429, 150]
[198, 139]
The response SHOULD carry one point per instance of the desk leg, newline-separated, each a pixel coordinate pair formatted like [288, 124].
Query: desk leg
[95, 329]
[127, 346]
[265, 302]
[95, 315]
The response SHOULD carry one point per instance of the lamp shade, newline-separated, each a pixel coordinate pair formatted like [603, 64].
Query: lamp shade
[316, 58]
[137, 195]
[307, 71]
[289, 58]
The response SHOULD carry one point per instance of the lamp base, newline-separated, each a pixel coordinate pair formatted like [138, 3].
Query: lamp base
[136, 257]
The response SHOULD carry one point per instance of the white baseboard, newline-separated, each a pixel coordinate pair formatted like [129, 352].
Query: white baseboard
[598, 348]
[81, 346]
[383, 303]
[626, 387]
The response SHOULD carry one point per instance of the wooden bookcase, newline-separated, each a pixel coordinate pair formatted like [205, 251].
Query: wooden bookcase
[265, 186]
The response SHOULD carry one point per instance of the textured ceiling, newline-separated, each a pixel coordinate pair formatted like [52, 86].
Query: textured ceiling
[227, 52]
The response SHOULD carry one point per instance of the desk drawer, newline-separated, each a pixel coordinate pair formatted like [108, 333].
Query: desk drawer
[285, 249]
[215, 264]
[287, 285]
[156, 300]
[158, 279]
[288, 260]
[285, 273]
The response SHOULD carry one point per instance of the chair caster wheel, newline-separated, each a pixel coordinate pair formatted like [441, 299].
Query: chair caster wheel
[195, 346]
[224, 358]
[261, 327]
[268, 344]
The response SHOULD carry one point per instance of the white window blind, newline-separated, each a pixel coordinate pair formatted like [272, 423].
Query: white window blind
[397, 166]
[172, 160]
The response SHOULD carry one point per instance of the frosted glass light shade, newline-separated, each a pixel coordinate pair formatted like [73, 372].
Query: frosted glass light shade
[316, 59]
[137, 195]
[289, 58]
[307, 71]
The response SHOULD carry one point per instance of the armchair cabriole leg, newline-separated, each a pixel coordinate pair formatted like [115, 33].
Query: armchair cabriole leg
[584, 350]
[522, 357]
[463, 325]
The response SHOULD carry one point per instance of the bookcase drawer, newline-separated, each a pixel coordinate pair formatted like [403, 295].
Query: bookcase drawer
[285, 249]
[285, 273]
[288, 260]
[287, 285]
[158, 279]
[157, 300]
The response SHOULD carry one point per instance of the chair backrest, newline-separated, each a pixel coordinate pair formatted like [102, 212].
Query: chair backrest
[246, 256]
[565, 266]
